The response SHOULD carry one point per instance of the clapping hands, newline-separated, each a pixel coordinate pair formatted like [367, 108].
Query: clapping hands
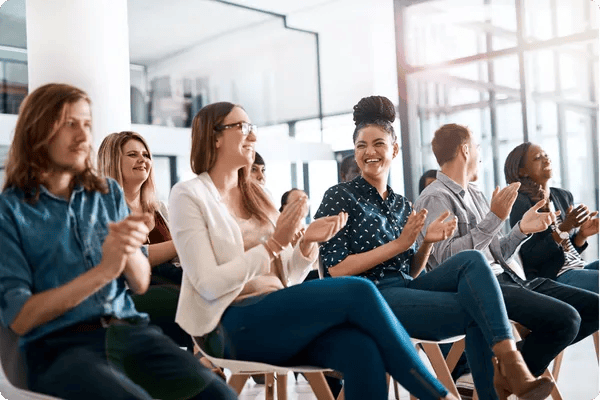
[441, 228]
[534, 221]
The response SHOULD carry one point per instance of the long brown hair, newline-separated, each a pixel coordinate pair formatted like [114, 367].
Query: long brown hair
[515, 161]
[40, 116]
[204, 157]
[110, 154]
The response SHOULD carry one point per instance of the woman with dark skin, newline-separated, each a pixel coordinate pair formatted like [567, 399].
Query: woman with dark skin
[555, 252]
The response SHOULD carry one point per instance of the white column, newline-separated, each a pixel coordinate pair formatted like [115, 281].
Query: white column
[85, 44]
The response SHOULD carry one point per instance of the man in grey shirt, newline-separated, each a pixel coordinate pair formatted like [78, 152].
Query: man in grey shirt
[557, 315]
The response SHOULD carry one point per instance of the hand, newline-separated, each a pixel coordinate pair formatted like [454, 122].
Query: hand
[323, 229]
[503, 200]
[290, 220]
[534, 221]
[411, 230]
[440, 229]
[124, 238]
[574, 218]
[297, 236]
[590, 227]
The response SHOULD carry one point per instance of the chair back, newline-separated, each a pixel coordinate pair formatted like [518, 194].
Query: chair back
[13, 364]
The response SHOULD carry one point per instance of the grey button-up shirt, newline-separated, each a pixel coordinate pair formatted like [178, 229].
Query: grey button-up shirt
[475, 230]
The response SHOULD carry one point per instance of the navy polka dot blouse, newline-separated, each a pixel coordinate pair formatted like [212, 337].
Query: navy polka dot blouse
[372, 222]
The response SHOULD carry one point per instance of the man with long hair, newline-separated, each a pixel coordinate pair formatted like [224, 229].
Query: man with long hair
[71, 254]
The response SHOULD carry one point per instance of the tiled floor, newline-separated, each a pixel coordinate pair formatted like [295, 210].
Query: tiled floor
[578, 379]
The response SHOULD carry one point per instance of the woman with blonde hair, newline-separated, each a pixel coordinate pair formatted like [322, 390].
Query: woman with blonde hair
[126, 157]
[241, 274]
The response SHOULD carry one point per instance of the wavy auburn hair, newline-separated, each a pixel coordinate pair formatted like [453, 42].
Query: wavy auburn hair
[204, 157]
[110, 154]
[40, 116]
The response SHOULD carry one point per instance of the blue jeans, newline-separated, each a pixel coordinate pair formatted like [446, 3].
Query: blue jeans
[459, 297]
[340, 323]
[586, 278]
[556, 314]
[129, 362]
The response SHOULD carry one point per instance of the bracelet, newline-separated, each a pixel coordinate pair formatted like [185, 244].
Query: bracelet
[281, 247]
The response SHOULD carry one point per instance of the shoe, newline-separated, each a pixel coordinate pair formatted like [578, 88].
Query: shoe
[511, 376]
[465, 386]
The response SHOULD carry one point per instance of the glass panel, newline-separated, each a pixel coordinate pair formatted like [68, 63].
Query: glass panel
[162, 177]
[237, 55]
[570, 16]
[442, 30]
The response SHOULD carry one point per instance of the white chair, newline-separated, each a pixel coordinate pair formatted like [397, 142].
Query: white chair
[241, 371]
[13, 382]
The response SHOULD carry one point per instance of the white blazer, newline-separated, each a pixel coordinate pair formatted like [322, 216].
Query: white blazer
[215, 266]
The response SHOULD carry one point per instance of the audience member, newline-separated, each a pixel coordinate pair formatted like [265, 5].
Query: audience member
[541, 305]
[349, 168]
[377, 243]
[428, 177]
[241, 274]
[71, 254]
[555, 252]
[258, 170]
[126, 157]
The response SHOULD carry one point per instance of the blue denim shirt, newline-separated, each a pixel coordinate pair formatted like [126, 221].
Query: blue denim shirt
[49, 243]
[372, 222]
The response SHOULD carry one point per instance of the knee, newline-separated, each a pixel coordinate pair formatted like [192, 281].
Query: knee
[358, 288]
[475, 259]
[567, 323]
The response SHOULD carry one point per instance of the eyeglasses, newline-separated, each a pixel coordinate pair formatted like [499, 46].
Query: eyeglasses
[245, 126]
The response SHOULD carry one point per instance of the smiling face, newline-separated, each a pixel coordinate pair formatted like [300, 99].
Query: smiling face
[232, 145]
[136, 162]
[537, 165]
[69, 148]
[374, 152]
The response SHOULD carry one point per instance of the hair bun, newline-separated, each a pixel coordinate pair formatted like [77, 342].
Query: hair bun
[374, 108]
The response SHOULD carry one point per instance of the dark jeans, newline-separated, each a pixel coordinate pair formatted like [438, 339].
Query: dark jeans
[461, 296]
[339, 323]
[160, 303]
[119, 362]
[556, 314]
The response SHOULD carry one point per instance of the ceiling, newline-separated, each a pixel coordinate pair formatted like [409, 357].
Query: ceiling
[188, 22]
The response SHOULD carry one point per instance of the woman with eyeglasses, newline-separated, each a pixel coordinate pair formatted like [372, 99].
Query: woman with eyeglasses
[241, 274]
[556, 252]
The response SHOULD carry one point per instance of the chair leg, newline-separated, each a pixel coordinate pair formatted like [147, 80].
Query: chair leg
[237, 382]
[396, 389]
[555, 394]
[557, 364]
[454, 355]
[270, 386]
[439, 366]
[319, 385]
[281, 386]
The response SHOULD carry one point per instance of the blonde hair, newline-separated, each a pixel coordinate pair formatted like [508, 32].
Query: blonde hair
[40, 117]
[110, 154]
[204, 156]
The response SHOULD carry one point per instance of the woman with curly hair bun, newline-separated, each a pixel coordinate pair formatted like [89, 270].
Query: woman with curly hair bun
[461, 296]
